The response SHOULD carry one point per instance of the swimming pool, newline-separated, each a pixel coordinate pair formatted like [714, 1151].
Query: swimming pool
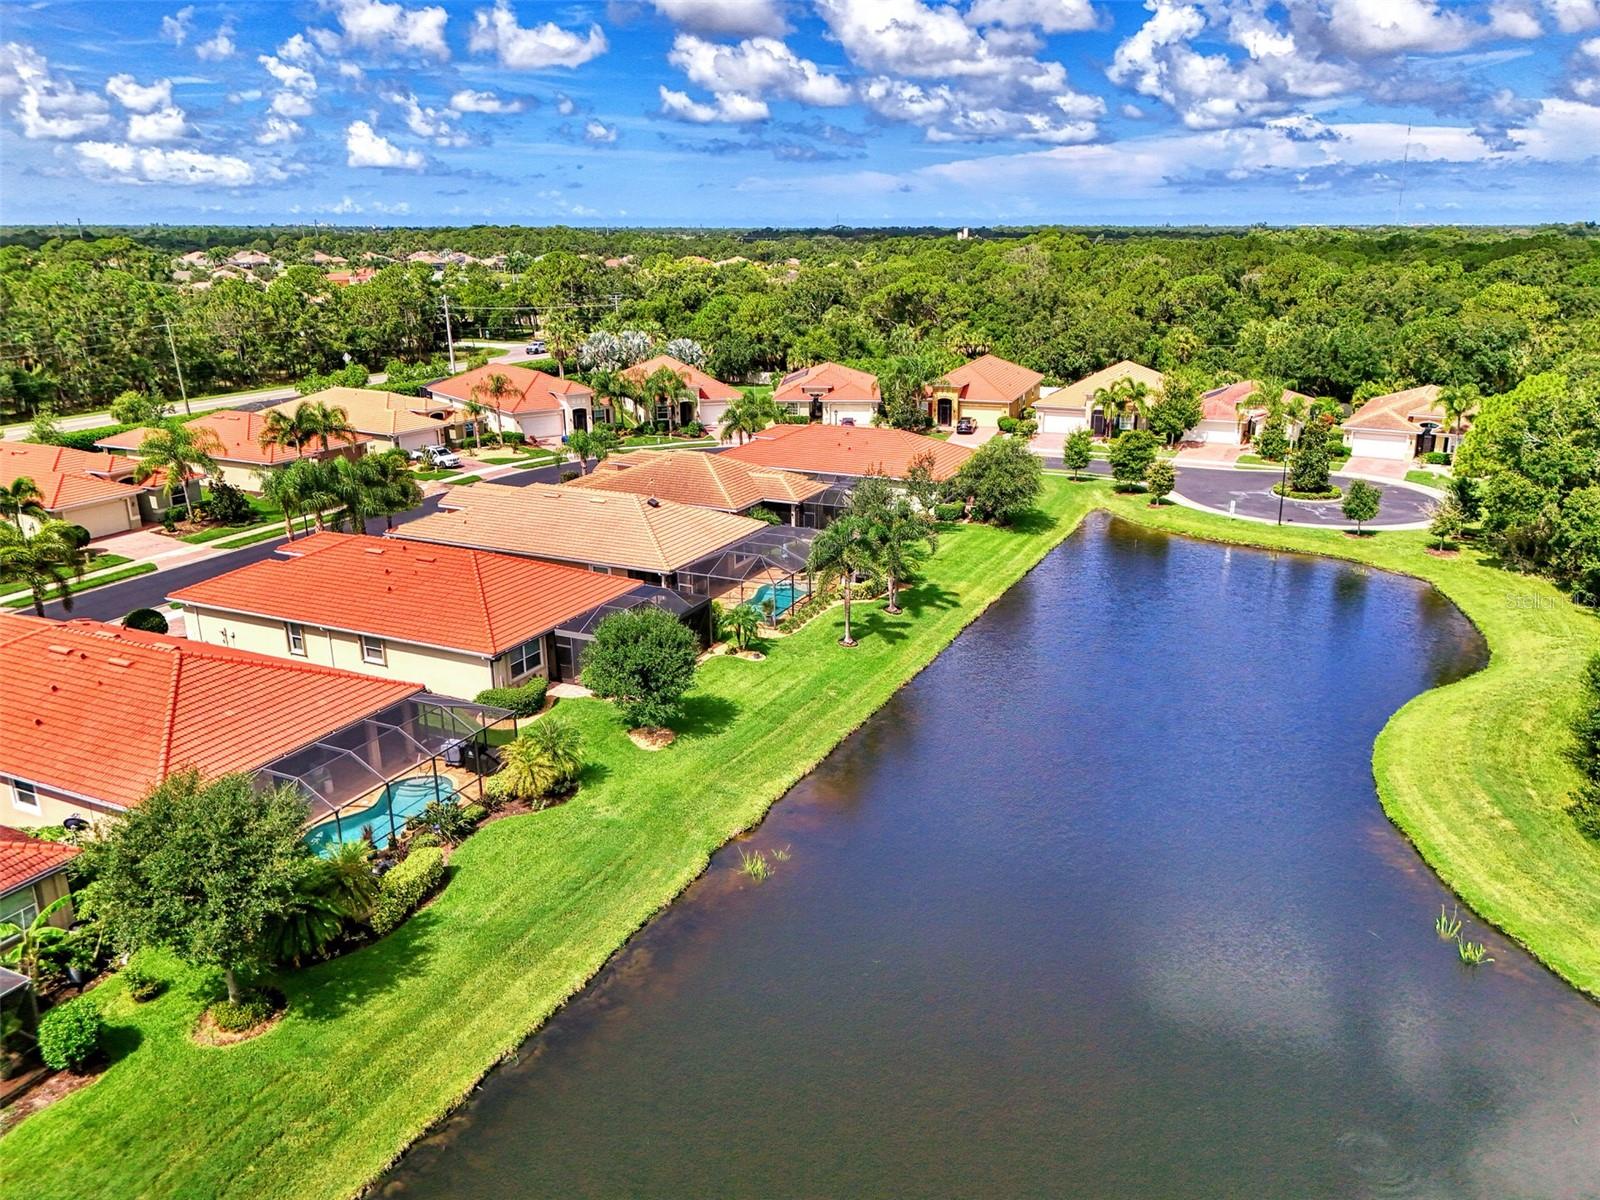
[784, 596]
[401, 799]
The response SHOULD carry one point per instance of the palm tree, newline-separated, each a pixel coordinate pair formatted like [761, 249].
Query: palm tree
[741, 624]
[46, 559]
[542, 760]
[477, 410]
[615, 387]
[496, 387]
[309, 422]
[561, 335]
[21, 498]
[1119, 398]
[840, 553]
[181, 452]
[747, 417]
[278, 487]
[314, 486]
[391, 486]
[665, 386]
[1458, 404]
[905, 539]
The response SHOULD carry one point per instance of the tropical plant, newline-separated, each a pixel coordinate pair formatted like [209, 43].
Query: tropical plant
[1077, 451]
[741, 624]
[178, 452]
[308, 422]
[1001, 480]
[34, 940]
[543, 760]
[332, 890]
[494, 388]
[1120, 398]
[1361, 502]
[686, 350]
[281, 488]
[746, 417]
[388, 485]
[477, 410]
[69, 1034]
[906, 538]
[445, 818]
[21, 498]
[644, 659]
[664, 388]
[842, 553]
[47, 560]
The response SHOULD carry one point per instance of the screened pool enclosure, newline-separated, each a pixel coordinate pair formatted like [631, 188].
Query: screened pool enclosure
[767, 571]
[369, 778]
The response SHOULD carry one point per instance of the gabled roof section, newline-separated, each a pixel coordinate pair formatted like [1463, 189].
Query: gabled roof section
[1399, 412]
[25, 860]
[105, 712]
[830, 382]
[238, 436]
[68, 478]
[1222, 404]
[1076, 396]
[531, 391]
[373, 412]
[579, 525]
[704, 480]
[993, 380]
[852, 450]
[705, 386]
[447, 597]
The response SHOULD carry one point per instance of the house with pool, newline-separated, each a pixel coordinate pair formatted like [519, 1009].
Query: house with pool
[688, 554]
[96, 715]
[455, 619]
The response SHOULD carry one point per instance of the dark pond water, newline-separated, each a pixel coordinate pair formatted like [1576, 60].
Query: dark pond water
[1100, 905]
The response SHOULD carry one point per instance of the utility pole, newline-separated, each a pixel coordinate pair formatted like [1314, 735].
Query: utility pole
[448, 338]
[176, 366]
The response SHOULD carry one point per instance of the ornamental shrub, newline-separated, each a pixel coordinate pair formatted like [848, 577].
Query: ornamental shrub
[474, 812]
[1308, 465]
[1007, 424]
[949, 512]
[142, 984]
[251, 1010]
[69, 1034]
[1437, 457]
[405, 887]
[421, 841]
[1131, 455]
[146, 619]
[643, 659]
[227, 505]
[524, 700]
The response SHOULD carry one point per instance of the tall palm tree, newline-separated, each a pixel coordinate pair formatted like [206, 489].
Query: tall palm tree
[747, 417]
[393, 488]
[905, 539]
[495, 388]
[328, 421]
[477, 410]
[840, 553]
[46, 560]
[618, 389]
[182, 452]
[21, 498]
[309, 422]
[1118, 399]
[314, 486]
[1458, 403]
[278, 487]
[665, 387]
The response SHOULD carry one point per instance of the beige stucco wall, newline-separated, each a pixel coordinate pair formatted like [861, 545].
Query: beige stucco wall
[116, 515]
[861, 412]
[53, 808]
[445, 672]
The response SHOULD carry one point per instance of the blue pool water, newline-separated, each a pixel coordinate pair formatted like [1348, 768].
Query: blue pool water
[783, 596]
[400, 800]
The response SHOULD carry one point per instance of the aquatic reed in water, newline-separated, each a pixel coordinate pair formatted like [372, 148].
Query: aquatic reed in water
[1473, 953]
[754, 865]
[1448, 927]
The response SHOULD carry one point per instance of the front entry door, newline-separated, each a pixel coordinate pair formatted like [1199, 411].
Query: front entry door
[816, 410]
[944, 410]
[580, 418]
[685, 412]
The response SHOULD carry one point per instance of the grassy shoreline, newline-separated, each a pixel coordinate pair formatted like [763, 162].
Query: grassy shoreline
[380, 1045]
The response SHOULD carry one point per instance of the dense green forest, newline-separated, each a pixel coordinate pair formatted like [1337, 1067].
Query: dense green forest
[1332, 312]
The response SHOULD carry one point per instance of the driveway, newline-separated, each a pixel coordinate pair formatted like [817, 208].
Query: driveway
[973, 440]
[1376, 468]
[1200, 454]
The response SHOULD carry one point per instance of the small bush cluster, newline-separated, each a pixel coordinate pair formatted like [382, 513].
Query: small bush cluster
[69, 1034]
[693, 430]
[249, 1012]
[473, 812]
[146, 619]
[524, 700]
[801, 613]
[444, 818]
[1437, 457]
[421, 841]
[142, 984]
[949, 512]
[407, 886]
[1332, 492]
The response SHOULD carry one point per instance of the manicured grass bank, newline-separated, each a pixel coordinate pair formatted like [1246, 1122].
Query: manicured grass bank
[378, 1044]
[1474, 773]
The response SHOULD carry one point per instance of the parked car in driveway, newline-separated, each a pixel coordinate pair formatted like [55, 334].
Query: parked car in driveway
[537, 346]
[436, 456]
[966, 425]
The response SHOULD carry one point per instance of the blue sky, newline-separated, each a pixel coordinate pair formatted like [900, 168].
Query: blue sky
[800, 112]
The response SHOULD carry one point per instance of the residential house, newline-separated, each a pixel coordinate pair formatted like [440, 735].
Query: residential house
[708, 481]
[706, 398]
[984, 390]
[96, 491]
[236, 446]
[320, 258]
[1068, 409]
[388, 420]
[541, 407]
[1227, 416]
[96, 715]
[847, 452]
[1402, 425]
[457, 620]
[830, 393]
[33, 876]
[249, 260]
[350, 278]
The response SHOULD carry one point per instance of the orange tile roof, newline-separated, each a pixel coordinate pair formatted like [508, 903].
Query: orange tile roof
[702, 385]
[695, 477]
[993, 380]
[373, 412]
[21, 458]
[847, 450]
[60, 491]
[104, 713]
[531, 391]
[1222, 404]
[1399, 412]
[836, 382]
[577, 525]
[238, 439]
[442, 596]
[25, 860]
[1076, 395]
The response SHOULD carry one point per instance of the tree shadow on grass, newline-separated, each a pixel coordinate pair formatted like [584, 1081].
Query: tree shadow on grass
[705, 715]
[1033, 520]
[926, 597]
[363, 977]
[119, 1041]
[592, 775]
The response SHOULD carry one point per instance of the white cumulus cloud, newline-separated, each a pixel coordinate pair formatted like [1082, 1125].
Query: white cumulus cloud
[164, 125]
[760, 67]
[122, 163]
[48, 106]
[218, 46]
[599, 132]
[386, 29]
[276, 130]
[175, 28]
[1052, 16]
[731, 107]
[365, 147]
[725, 18]
[137, 97]
[495, 31]
[469, 101]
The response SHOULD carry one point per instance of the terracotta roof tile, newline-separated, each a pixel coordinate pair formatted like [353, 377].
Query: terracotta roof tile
[577, 525]
[1399, 412]
[105, 712]
[695, 477]
[373, 412]
[852, 450]
[531, 391]
[702, 385]
[444, 596]
[25, 860]
[1222, 404]
[238, 437]
[993, 380]
[834, 381]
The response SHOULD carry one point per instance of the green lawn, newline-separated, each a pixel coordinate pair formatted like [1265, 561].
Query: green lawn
[1473, 773]
[1427, 479]
[376, 1045]
[90, 581]
[379, 1043]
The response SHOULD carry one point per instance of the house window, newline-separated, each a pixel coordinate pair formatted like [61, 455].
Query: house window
[297, 639]
[25, 798]
[372, 651]
[20, 909]
[527, 657]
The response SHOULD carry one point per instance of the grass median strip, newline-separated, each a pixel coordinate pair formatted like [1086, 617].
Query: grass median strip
[84, 585]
